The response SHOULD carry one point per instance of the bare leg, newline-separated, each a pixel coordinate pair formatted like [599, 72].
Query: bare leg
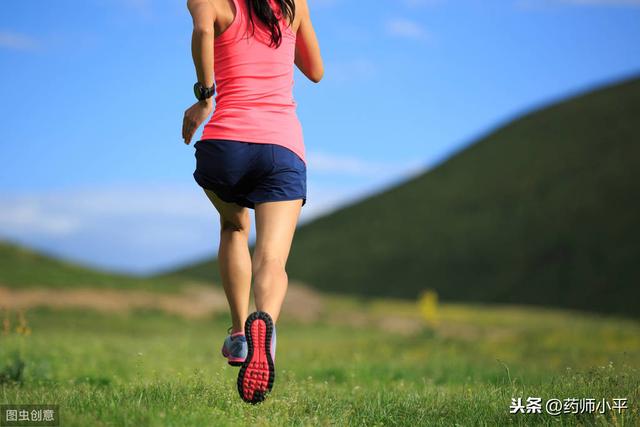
[275, 227]
[234, 259]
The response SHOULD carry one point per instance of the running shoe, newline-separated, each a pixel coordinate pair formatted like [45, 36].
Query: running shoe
[235, 348]
[256, 376]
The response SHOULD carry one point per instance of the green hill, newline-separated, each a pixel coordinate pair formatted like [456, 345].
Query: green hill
[21, 267]
[544, 210]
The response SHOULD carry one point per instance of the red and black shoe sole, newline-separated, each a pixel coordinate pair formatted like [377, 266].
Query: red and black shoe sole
[256, 376]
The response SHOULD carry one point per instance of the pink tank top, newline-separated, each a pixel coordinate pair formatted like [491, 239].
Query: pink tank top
[254, 85]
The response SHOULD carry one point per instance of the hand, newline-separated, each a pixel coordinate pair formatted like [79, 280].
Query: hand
[193, 118]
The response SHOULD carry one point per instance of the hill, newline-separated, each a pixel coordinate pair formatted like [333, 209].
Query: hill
[21, 267]
[542, 211]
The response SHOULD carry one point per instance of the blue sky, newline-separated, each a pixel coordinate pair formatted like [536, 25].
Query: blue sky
[92, 166]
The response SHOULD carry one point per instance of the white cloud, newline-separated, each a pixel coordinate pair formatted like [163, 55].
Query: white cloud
[62, 213]
[26, 215]
[132, 229]
[17, 41]
[406, 28]
[323, 199]
[339, 164]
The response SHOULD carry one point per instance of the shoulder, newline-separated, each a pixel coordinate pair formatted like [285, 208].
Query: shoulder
[302, 7]
[201, 6]
[203, 14]
[302, 11]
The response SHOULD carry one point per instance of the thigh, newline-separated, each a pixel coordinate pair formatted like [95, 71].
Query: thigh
[231, 214]
[275, 226]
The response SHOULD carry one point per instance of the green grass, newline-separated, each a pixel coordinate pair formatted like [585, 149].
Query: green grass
[542, 211]
[146, 368]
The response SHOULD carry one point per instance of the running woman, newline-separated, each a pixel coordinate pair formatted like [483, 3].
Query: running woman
[251, 156]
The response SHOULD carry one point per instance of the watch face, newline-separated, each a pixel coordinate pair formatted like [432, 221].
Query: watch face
[196, 91]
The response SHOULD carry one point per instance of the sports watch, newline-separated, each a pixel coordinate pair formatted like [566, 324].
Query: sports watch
[202, 92]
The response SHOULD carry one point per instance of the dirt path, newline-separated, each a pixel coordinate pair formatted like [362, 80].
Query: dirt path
[302, 303]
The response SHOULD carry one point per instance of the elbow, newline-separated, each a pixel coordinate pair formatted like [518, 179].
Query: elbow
[316, 75]
[202, 31]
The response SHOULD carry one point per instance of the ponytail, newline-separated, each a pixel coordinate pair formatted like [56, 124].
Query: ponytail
[265, 13]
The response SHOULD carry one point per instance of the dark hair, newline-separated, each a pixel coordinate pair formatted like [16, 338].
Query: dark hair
[265, 14]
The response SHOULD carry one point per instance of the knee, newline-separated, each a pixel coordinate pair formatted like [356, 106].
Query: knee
[234, 226]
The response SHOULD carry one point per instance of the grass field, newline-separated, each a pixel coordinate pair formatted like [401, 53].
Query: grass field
[151, 368]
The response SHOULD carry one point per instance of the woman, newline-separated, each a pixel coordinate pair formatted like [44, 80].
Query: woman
[251, 156]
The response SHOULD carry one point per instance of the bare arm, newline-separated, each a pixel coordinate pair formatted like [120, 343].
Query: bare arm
[308, 58]
[203, 15]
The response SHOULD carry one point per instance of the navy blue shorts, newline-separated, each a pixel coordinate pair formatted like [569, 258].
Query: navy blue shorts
[247, 173]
